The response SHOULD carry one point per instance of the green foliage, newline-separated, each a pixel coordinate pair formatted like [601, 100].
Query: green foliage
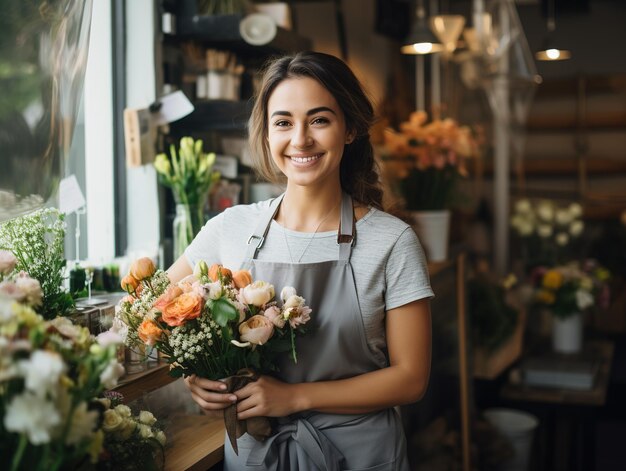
[37, 241]
[492, 319]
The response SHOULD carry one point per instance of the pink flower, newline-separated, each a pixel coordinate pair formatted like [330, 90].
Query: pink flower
[304, 316]
[7, 262]
[30, 289]
[257, 330]
[274, 315]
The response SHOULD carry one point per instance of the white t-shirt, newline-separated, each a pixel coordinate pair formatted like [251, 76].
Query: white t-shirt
[387, 259]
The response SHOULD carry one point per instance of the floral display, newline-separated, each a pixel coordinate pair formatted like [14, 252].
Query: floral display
[424, 160]
[51, 372]
[212, 323]
[131, 442]
[547, 230]
[571, 288]
[36, 241]
[189, 173]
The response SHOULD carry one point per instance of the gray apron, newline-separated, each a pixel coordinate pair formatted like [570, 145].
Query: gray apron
[334, 347]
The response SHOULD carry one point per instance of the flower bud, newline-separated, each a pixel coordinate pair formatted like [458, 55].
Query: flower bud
[142, 268]
[129, 284]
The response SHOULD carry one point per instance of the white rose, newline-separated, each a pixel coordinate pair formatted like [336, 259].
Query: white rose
[575, 210]
[214, 290]
[7, 262]
[127, 429]
[576, 228]
[287, 292]
[545, 211]
[160, 437]
[544, 230]
[563, 217]
[112, 421]
[258, 293]
[123, 410]
[562, 239]
[583, 299]
[523, 206]
[145, 431]
[146, 417]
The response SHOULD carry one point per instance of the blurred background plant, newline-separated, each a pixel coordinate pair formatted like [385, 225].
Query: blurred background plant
[424, 161]
[547, 231]
[132, 442]
[51, 373]
[37, 242]
[188, 172]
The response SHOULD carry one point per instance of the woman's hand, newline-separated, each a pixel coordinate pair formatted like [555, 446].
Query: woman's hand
[209, 395]
[267, 397]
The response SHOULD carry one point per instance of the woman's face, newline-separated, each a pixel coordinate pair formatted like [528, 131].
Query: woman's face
[306, 132]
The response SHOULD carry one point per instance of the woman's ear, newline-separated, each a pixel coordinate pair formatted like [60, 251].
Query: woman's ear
[350, 135]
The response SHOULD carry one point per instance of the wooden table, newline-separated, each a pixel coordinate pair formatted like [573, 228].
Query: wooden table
[194, 442]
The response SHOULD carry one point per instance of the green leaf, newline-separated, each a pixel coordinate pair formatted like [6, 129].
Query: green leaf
[223, 311]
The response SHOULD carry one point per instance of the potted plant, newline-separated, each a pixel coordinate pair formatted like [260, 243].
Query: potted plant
[424, 162]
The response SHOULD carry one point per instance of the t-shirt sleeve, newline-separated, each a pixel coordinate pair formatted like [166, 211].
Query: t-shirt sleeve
[406, 272]
[206, 245]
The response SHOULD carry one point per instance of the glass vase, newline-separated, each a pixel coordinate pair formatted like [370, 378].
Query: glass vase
[187, 223]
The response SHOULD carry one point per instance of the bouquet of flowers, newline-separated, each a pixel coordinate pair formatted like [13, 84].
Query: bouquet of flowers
[215, 323]
[425, 160]
[188, 172]
[130, 442]
[571, 288]
[36, 242]
[51, 372]
[547, 230]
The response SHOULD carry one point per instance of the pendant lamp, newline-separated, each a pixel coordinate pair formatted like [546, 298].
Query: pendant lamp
[421, 39]
[448, 29]
[549, 50]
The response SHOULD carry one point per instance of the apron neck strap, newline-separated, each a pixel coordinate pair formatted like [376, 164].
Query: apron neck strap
[256, 240]
[346, 236]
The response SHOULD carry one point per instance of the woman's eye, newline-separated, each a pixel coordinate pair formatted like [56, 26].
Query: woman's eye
[281, 123]
[320, 120]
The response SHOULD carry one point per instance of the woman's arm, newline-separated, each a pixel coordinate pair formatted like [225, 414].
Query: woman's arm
[408, 331]
[179, 269]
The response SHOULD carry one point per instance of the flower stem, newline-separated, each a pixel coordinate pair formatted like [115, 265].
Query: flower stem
[21, 447]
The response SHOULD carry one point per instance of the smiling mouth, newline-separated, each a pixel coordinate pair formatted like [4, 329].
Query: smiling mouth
[305, 159]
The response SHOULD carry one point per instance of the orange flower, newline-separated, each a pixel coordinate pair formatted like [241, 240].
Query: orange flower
[553, 279]
[185, 307]
[242, 278]
[142, 268]
[129, 284]
[215, 268]
[149, 332]
[170, 294]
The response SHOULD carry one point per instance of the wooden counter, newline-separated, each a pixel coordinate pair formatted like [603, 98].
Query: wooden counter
[194, 442]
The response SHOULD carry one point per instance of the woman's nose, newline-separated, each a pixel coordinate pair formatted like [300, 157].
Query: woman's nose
[301, 137]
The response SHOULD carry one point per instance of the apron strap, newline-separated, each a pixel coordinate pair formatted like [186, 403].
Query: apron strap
[346, 236]
[256, 240]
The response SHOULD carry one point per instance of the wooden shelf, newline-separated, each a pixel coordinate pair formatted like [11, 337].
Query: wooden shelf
[565, 167]
[194, 443]
[220, 115]
[134, 386]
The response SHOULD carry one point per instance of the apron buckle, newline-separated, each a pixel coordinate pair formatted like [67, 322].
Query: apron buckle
[261, 240]
[345, 239]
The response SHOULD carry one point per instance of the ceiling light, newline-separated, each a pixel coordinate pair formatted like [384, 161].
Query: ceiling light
[421, 39]
[549, 50]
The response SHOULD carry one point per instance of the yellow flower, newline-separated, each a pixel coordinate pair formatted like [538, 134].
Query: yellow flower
[162, 165]
[553, 279]
[546, 296]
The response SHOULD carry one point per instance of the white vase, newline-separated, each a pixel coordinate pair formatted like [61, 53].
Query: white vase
[567, 333]
[433, 230]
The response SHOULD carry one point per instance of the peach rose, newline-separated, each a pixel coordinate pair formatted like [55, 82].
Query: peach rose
[149, 332]
[142, 268]
[258, 293]
[185, 307]
[171, 293]
[215, 268]
[129, 284]
[242, 278]
[256, 330]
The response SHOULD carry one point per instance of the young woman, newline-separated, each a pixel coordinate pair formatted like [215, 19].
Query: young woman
[362, 271]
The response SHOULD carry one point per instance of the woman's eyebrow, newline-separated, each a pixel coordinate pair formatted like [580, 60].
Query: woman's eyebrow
[319, 109]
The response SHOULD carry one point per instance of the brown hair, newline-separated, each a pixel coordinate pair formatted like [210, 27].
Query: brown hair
[358, 169]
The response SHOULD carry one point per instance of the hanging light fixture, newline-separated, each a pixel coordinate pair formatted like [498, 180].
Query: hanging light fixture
[448, 29]
[549, 51]
[421, 39]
